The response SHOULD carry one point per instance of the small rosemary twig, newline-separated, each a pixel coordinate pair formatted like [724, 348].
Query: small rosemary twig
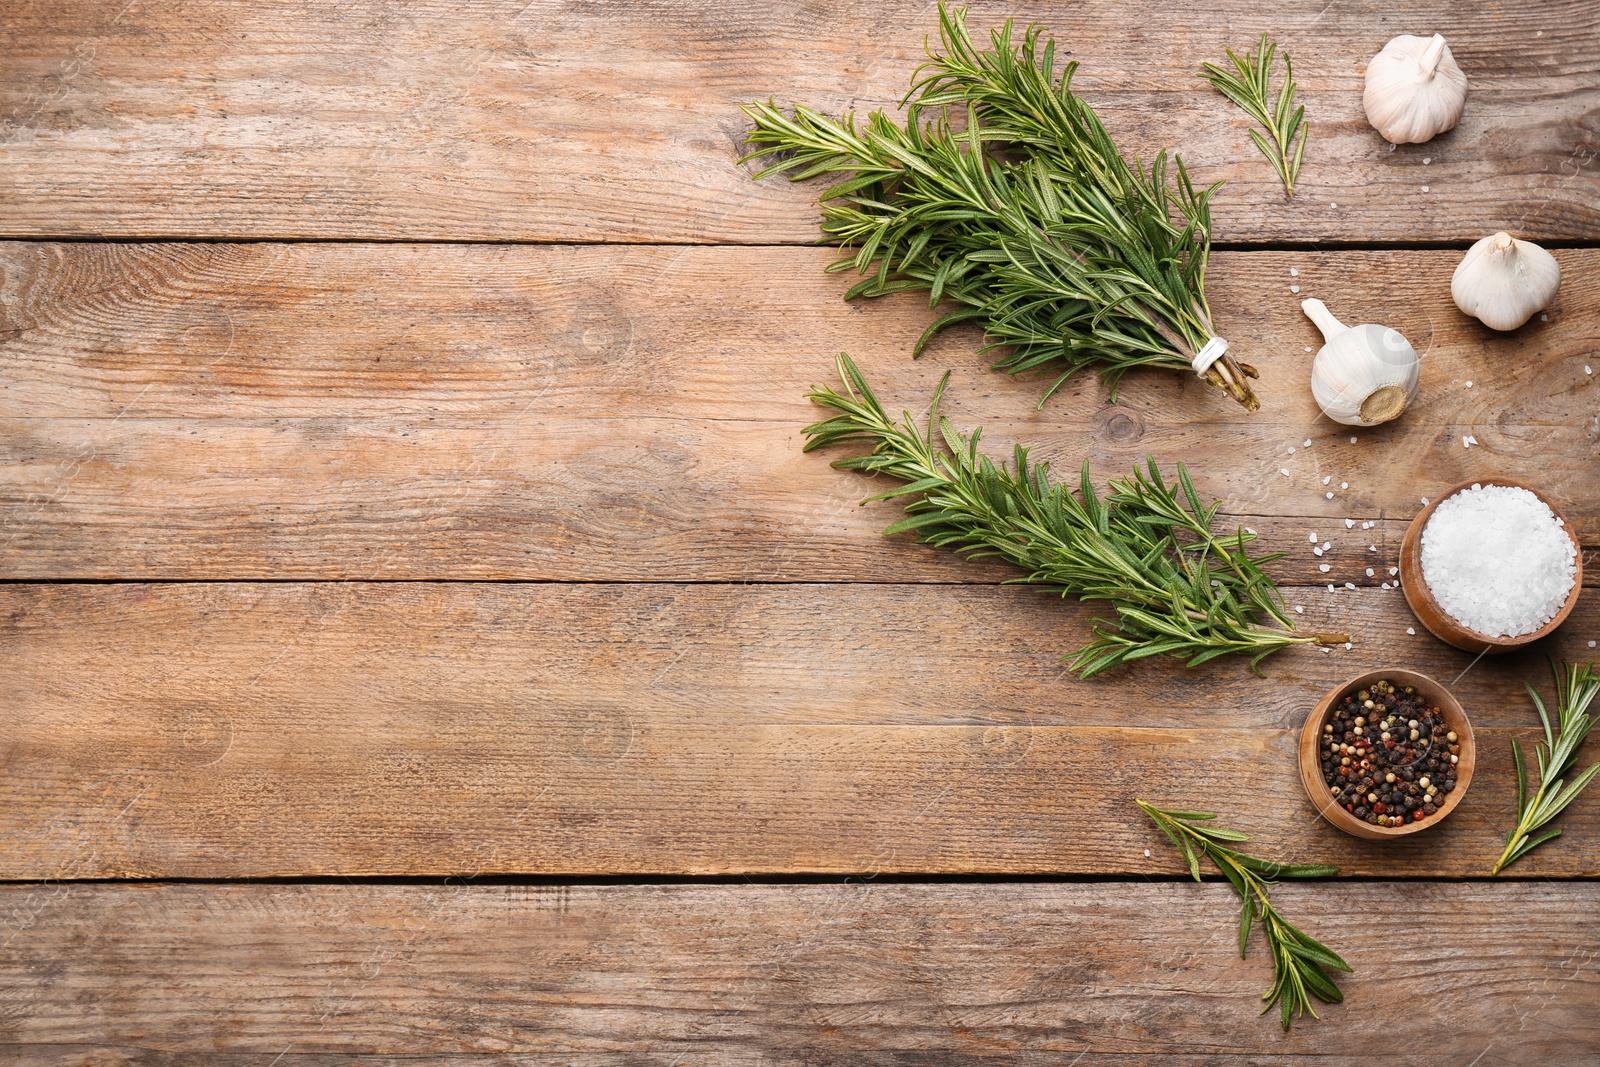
[1247, 85]
[1576, 688]
[1297, 958]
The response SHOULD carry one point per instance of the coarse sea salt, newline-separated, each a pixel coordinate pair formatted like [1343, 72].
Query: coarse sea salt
[1497, 560]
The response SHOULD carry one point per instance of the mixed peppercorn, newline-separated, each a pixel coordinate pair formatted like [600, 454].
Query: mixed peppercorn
[1388, 758]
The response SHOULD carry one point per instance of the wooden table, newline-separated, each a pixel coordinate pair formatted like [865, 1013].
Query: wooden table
[424, 641]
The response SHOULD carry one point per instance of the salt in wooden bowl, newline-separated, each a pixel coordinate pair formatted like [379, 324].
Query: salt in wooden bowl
[1438, 621]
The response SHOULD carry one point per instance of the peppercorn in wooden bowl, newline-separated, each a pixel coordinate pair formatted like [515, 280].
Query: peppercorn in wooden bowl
[1438, 621]
[1392, 786]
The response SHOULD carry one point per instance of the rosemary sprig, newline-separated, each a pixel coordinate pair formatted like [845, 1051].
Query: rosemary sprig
[1576, 687]
[1248, 86]
[1028, 219]
[1147, 547]
[1297, 957]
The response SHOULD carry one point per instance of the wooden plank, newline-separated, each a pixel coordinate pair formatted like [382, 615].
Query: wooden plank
[274, 729]
[875, 974]
[506, 120]
[366, 411]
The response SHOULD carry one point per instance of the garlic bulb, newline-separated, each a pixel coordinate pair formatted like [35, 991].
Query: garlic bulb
[1414, 90]
[1363, 375]
[1503, 281]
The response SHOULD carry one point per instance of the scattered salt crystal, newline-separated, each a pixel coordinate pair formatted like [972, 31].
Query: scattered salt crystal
[1332, 204]
[1393, 571]
[1392, 148]
[1497, 560]
[1412, 630]
[1298, 610]
[1426, 160]
[1349, 523]
[1425, 499]
[1326, 545]
[1344, 485]
[1249, 531]
[1370, 572]
[1349, 585]
[1424, 188]
[1284, 471]
[1383, 585]
[1307, 442]
[1347, 645]
[1331, 589]
[1294, 272]
[1147, 853]
[1324, 568]
[1544, 317]
[1466, 441]
[1328, 495]
[1294, 288]
[1586, 369]
[1328, 479]
[1352, 440]
[1372, 548]
[1316, 551]
[1368, 525]
[1312, 538]
[1591, 644]
[1469, 383]
[1308, 348]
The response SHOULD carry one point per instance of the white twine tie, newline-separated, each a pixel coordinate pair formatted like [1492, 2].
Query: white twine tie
[1212, 351]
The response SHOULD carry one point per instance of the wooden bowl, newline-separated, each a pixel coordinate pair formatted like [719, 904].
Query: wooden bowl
[1435, 618]
[1311, 767]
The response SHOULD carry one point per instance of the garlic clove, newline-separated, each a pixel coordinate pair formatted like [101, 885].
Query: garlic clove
[1414, 89]
[1502, 281]
[1364, 375]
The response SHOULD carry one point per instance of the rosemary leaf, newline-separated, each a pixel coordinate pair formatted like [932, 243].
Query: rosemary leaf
[1297, 958]
[1146, 546]
[1003, 196]
[1576, 687]
[1248, 85]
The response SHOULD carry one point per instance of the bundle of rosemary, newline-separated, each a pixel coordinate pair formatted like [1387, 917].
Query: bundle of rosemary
[1028, 219]
[1147, 547]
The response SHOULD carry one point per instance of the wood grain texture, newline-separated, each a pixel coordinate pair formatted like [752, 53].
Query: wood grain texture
[373, 411]
[224, 731]
[874, 974]
[574, 121]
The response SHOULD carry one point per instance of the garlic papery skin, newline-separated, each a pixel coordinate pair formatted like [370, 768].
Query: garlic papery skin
[1414, 90]
[1364, 374]
[1502, 281]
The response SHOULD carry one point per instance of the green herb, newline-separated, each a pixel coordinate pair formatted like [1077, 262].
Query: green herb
[1297, 958]
[1576, 688]
[1028, 220]
[1146, 547]
[1247, 85]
